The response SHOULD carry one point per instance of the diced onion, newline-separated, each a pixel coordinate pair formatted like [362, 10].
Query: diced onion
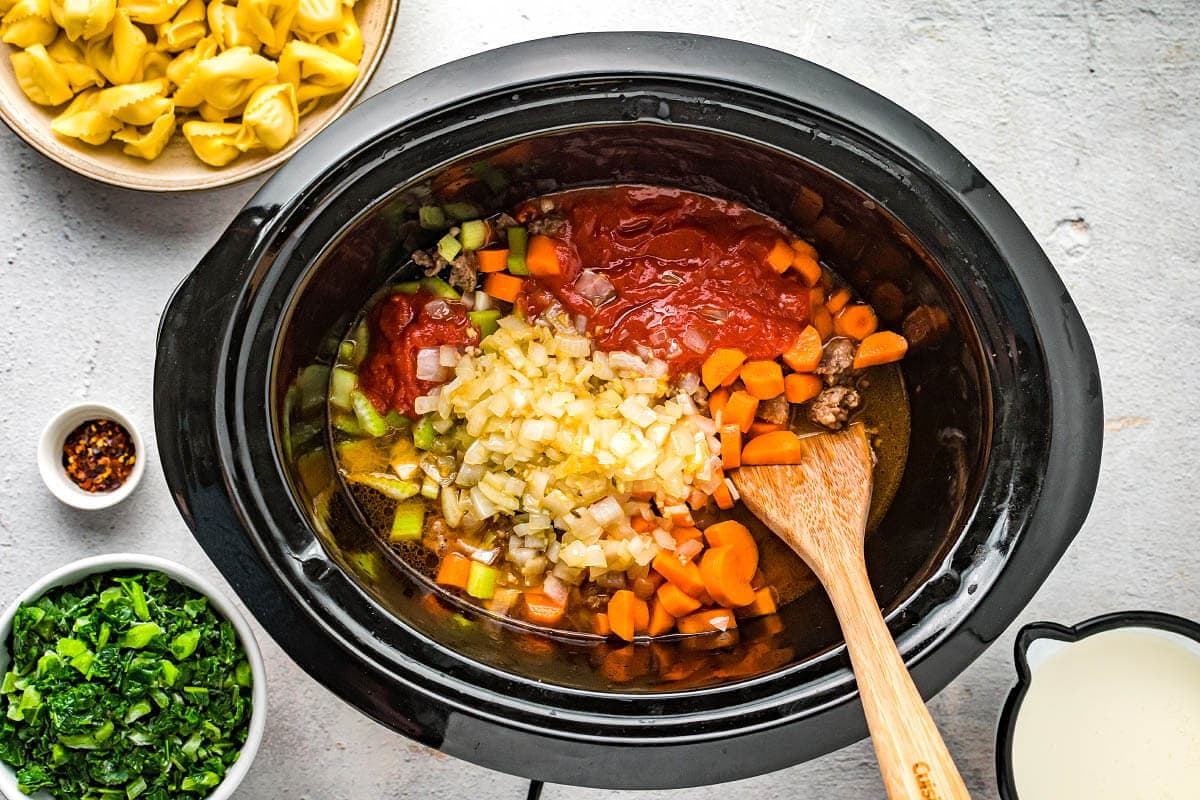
[555, 589]
[594, 287]
[695, 340]
[448, 355]
[429, 365]
[690, 549]
[438, 309]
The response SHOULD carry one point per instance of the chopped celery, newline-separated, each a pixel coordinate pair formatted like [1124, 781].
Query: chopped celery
[481, 581]
[449, 247]
[460, 211]
[474, 234]
[409, 287]
[430, 488]
[385, 484]
[439, 288]
[346, 423]
[313, 382]
[518, 240]
[395, 419]
[341, 383]
[346, 351]
[371, 420]
[423, 433]
[408, 521]
[431, 218]
[362, 341]
[486, 321]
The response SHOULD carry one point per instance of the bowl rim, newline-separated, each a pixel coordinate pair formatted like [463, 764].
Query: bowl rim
[49, 453]
[77, 570]
[1006, 723]
[219, 177]
[433, 704]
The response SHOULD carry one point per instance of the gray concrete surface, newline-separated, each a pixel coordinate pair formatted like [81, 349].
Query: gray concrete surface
[1083, 113]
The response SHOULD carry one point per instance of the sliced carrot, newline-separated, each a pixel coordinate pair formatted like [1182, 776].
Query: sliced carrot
[731, 533]
[780, 257]
[731, 446]
[761, 426]
[600, 624]
[454, 570]
[805, 353]
[805, 248]
[492, 260]
[740, 410]
[717, 619]
[697, 500]
[808, 267]
[622, 614]
[779, 447]
[503, 286]
[800, 388]
[764, 604]
[675, 601]
[641, 616]
[717, 401]
[837, 301]
[857, 321]
[883, 347]
[684, 574]
[732, 377]
[720, 365]
[822, 320]
[685, 533]
[542, 609]
[641, 524]
[723, 497]
[816, 298]
[763, 379]
[721, 571]
[683, 518]
[661, 621]
[541, 256]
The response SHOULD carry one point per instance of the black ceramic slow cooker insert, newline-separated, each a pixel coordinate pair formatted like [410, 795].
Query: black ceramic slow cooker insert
[1006, 410]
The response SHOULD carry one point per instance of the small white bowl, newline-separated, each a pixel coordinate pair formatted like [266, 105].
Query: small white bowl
[78, 570]
[50, 450]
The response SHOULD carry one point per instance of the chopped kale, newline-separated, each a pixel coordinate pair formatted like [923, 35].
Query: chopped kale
[123, 685]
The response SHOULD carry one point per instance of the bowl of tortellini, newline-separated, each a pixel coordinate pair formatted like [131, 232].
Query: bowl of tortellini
[177, 95]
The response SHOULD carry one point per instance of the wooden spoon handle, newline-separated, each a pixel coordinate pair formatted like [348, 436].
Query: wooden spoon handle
[912, 756]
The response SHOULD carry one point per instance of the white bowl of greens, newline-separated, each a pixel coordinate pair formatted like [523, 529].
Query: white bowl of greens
[127, 677]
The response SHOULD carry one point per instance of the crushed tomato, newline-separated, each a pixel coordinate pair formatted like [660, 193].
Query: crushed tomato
[402, 325]
[690, 275]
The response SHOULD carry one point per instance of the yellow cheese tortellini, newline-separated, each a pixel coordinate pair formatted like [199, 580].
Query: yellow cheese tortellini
[119, 57]
[232, 75]
[27, 23]
[40, 77]
[150, 12]
[218, 143]
[226, 81]
[314, 71]
[272, 116]
[70, 59]
[82, 120]
[147, 143]
[83, 19]
[183, 30]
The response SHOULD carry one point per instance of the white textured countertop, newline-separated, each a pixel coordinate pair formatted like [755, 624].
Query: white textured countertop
[1082, 112]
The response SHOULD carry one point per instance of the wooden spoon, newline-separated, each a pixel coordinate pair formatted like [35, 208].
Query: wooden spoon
[819, 507]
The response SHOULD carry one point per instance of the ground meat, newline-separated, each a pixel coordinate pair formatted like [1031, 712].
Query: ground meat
[776, 410]
[504, 222]
[549, 225]
[438, 537]
[832, 407]
[424, 260]
[837, 362]
[462, 272]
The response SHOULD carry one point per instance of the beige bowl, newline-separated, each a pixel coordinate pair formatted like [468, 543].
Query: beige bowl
[178, 169]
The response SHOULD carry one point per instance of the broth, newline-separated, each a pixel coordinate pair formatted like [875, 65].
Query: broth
[883, 405]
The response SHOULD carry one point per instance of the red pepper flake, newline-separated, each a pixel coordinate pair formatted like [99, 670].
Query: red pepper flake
[99, 455]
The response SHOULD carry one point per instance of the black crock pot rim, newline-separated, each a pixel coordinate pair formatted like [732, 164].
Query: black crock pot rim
[1006, 724]
[1012, 241]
